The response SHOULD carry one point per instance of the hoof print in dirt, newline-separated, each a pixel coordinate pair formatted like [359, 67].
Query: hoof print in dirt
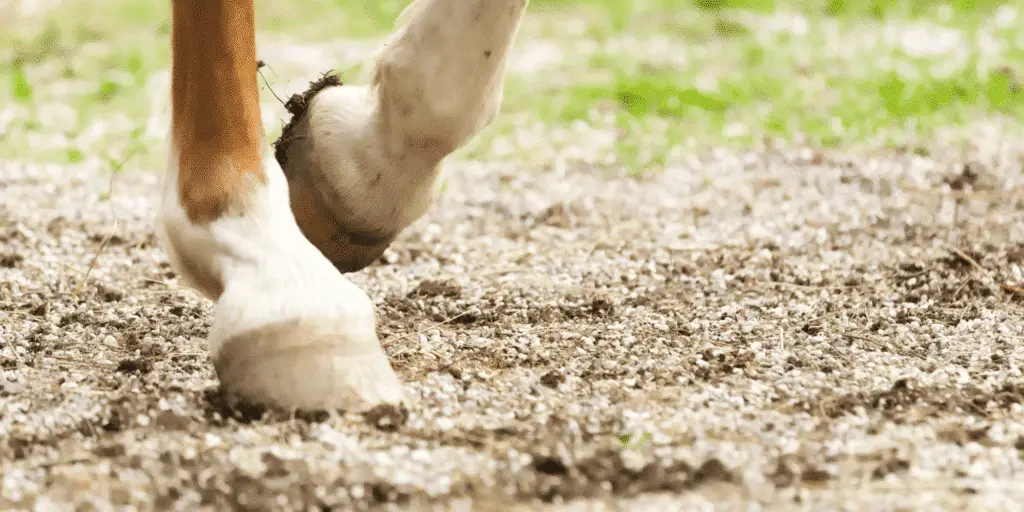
[296, 106]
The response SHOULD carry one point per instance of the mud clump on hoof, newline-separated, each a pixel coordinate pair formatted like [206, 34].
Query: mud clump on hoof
[324, 216]
[296, 106]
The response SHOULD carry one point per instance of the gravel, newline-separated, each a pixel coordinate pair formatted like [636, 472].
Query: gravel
[788, 328]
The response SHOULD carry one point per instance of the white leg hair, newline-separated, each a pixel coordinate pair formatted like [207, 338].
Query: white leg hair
[289, 330]
[371, 156]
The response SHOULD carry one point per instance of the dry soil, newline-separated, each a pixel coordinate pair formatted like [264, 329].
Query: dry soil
[790, 329]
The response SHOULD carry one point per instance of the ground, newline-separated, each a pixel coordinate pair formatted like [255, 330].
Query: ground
[600, 312]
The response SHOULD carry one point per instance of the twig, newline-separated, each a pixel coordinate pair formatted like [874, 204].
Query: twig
[783, 284]
[497, 272]
[963, 284]
[702, 248]
[95, 257]
[120, 165]
[259, 69]
[64, 462]
[863, 338]
[72, 361]
[71, 269]
[417, 333]
[1016, 290]
[967, 258]
[186, 354]
[1006, 287]
[156, 281]
[879, 344]
[115, 170]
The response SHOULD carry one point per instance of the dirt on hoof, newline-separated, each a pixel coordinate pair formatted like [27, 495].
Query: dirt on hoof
[765, 331]
[296, 106]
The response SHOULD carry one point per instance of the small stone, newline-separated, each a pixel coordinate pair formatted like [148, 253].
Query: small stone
[13, 388]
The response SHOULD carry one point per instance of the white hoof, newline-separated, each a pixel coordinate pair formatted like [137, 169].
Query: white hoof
[289, 353]
[308, 364]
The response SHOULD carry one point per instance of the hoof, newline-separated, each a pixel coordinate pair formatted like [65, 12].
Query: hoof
[307, 364]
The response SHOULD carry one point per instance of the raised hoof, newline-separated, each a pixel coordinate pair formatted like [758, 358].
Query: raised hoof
[309, 364]
[348, 249]
[351, 197]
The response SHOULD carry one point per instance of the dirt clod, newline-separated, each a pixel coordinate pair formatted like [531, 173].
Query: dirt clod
[712, 470]
[387, 417]
[552, 379]
[137, 365]
[890, 467]
[550, 465]
[109, 294]
[296, 106]
[10, 260]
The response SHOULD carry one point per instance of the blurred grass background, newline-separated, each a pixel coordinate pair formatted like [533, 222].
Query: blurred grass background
[637, 84]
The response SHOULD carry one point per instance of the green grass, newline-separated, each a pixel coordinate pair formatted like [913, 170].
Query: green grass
[818, 85]
[76, 82]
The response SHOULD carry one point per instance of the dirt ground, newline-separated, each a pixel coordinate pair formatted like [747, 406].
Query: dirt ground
[789, 329]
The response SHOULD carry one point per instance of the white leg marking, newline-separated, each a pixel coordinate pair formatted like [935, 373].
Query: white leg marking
[289, 329]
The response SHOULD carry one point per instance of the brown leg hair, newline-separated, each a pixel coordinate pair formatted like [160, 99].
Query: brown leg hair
[216, 121]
